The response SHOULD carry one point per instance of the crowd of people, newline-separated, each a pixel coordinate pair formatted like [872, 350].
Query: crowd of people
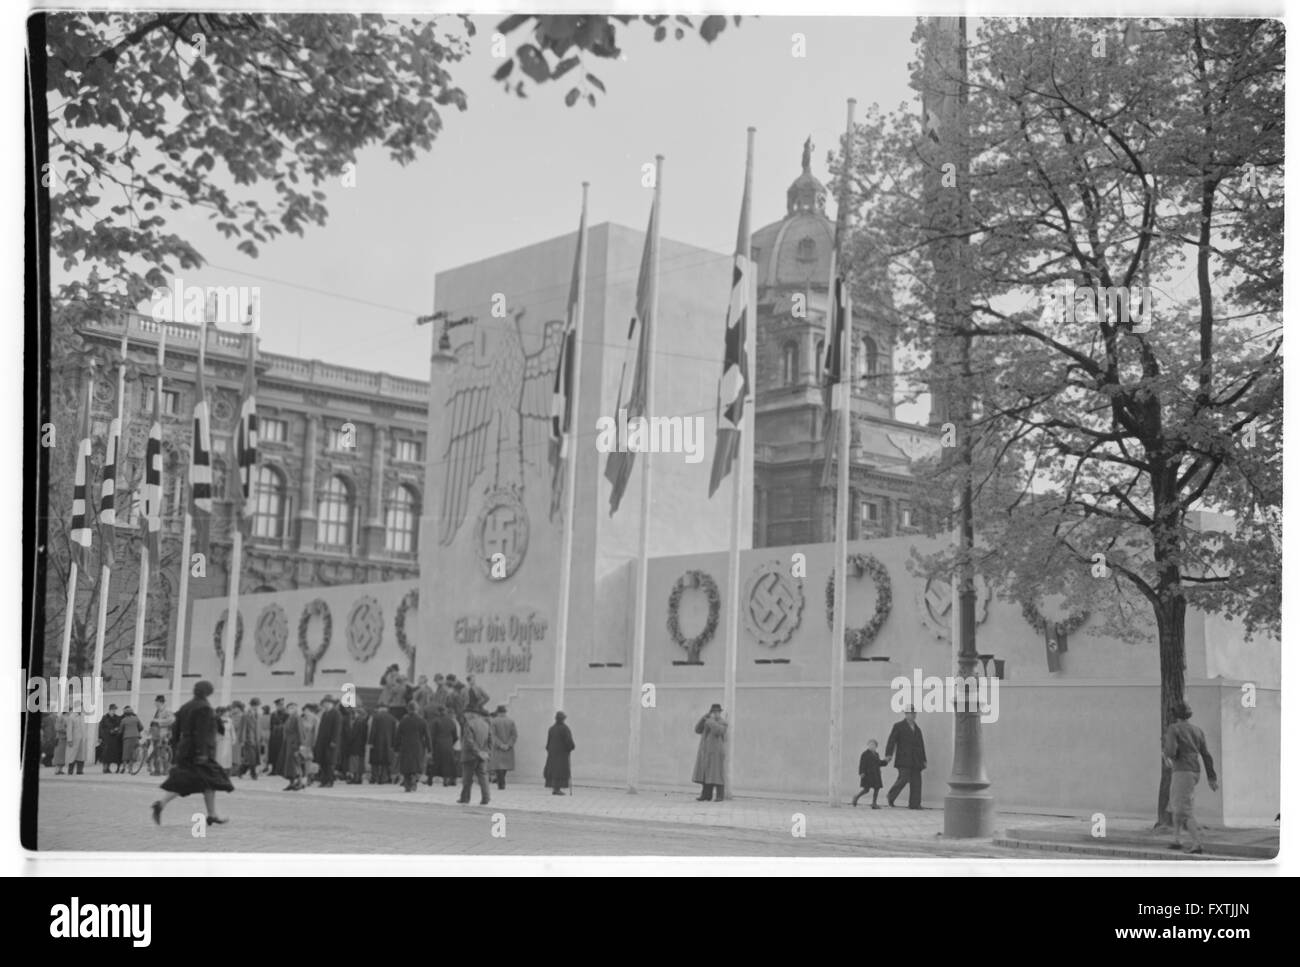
[437, 732]
[69, 741]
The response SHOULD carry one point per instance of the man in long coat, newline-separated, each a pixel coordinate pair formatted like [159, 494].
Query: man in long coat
[61, 726]
[504, 737]
[329, 737]
[249, 738]
[412, 746]
[110, 740]
[444, 734]
[78, 741]
[275, 738]
[906, 746]
[356, 745]
[383, 731]
[475, 751]
[559, 746]
[291, 764]
[711, 758]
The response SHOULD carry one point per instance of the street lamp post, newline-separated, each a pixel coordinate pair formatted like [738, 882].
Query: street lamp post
[443, 359]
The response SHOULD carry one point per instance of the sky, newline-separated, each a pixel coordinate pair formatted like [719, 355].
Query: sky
[507, 172]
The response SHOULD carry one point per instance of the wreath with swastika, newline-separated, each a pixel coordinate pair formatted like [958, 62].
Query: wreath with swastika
[271, 635]
[317, 608]
[409, 601]
[365, 628]
[1042, 625]
[218, 636]
[857, 639]
[705, 582]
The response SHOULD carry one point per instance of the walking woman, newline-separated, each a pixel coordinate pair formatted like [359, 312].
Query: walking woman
[195, 738]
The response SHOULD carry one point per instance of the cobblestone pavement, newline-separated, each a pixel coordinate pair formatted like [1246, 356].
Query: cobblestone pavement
[97, 812]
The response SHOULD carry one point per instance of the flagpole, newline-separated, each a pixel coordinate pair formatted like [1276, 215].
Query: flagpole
[643, 544]
[142, 595]
[73, 570]
[845, 388]
[235, 481]
[106, 550]
[569, 441]
[738, 484]
[232, 613]
[182, 600]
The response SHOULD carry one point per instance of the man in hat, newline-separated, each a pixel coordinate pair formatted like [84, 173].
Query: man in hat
[475, 751]
[906, 746]
[711, 759]
[160, 731]
[383, 735]
[329, 736]
[1183, 747]
[504, 737]
[476, 694]
[557, 773]
[275, 737]
[249, 738]
[110, 740]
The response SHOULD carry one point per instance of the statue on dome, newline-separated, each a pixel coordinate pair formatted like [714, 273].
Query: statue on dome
[807, 153]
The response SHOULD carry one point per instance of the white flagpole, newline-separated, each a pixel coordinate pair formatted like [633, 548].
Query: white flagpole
[738, 484]
[845, 389]
[232, 611]
[182, 600]
[142, 595]
[569, 441]
[643, 544]
[187, 536]
[72, 571]
[106, 571]
[67, 624]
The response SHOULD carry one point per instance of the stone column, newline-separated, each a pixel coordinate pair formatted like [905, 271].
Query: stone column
[307, 490]
[373, 539]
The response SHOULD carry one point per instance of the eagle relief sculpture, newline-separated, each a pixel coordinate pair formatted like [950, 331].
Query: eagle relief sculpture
[498, 418]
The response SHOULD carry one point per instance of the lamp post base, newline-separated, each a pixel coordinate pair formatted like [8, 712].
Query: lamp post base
[968, 814]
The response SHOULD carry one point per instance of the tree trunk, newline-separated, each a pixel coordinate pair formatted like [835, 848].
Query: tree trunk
[1171, 615]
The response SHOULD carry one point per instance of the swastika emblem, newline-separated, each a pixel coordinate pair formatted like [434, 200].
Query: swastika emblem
[773, 604]
[502, 534]
[936, 602]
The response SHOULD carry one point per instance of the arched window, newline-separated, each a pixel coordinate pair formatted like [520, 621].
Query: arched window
[790, 363]
[334, 514]
[401, 520]
[268, 492]
[820, 362]
[806, 250]
[871, 356]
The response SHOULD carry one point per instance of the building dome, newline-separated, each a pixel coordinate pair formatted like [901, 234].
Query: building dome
[796, 251]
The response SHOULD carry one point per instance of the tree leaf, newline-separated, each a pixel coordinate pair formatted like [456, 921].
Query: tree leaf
[595, 82]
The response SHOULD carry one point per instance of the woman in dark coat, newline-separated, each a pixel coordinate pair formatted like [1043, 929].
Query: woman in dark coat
[444, 735]
[412, 747]
[356, 746]
[291, 763]
[275, 739]
[559, 745]
[194, 735]
[383, 733]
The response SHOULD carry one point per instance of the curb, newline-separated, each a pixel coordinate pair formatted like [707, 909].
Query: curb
[1216, 852]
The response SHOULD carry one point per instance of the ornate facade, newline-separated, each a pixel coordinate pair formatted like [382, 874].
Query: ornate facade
[341, 467]
[792, 504]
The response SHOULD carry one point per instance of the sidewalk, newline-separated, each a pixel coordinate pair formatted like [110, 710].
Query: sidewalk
[1042, 835]
[1134, 839]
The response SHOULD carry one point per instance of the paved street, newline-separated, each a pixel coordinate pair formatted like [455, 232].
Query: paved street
[97, 812]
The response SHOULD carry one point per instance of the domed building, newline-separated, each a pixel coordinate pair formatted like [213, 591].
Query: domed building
[793, 264]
